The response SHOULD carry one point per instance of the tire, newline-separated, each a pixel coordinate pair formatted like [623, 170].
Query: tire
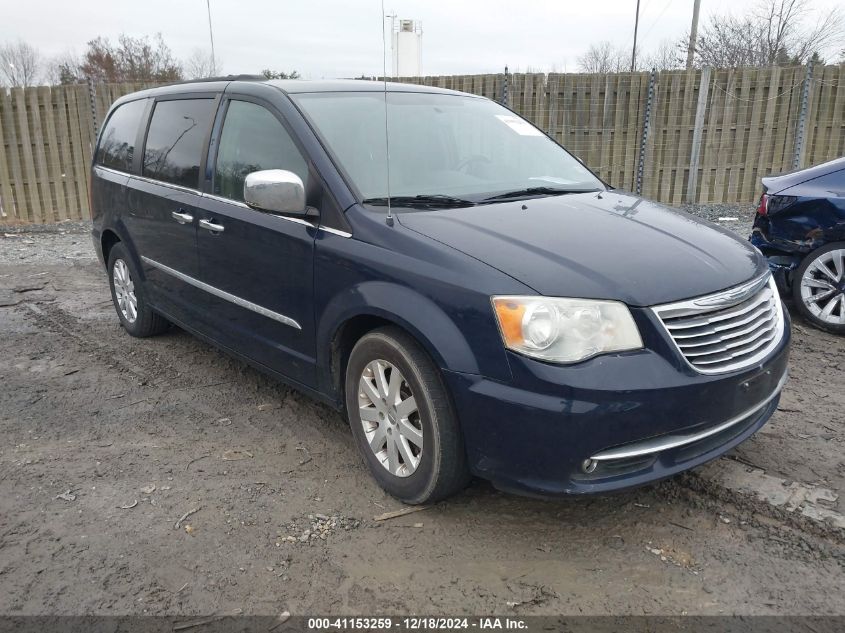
[137, 318]
[420, 454]
[812, 271]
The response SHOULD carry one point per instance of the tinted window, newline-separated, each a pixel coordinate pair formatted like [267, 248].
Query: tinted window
[117, 143]
[252, 140]
[175, 140]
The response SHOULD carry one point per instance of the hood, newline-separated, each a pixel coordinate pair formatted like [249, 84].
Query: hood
[614, 246]
[776, 184]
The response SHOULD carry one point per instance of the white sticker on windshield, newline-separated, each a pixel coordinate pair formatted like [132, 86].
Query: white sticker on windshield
[523, 128]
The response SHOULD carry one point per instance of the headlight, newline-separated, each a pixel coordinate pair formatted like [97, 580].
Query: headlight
[565, 330]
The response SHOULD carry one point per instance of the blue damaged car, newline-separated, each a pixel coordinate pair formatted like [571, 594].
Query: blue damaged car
[800, 227]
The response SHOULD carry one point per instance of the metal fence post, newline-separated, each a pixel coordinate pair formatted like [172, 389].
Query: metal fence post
[92, 97]
[506, 98]
[697, 131]
[646, 124]
[798, 154]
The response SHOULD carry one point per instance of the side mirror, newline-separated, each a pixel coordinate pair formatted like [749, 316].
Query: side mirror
[276, 190]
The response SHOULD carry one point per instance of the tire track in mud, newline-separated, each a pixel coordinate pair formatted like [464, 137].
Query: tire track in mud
[62, 322]
[699, 483]
[814, 539]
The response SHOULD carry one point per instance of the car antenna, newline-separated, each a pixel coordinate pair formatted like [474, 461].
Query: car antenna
[389, 219]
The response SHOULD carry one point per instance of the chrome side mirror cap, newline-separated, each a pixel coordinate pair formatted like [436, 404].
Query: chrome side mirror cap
[276, 190]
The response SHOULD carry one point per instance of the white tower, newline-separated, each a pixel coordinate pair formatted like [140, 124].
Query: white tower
[407, 48]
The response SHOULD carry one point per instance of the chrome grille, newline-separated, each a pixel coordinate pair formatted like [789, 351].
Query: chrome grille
[729, 330]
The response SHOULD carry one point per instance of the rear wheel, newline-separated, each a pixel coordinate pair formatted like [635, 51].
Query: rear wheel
[819, 288]
[402, 418]
[129, 298]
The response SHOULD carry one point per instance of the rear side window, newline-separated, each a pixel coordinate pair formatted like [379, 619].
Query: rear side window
[117, 143]
[253, 139]
[175, 139]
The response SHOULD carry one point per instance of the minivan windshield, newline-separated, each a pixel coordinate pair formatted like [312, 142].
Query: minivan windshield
[445, 150]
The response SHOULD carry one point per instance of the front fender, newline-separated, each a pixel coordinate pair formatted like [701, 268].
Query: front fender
[440, 296]
[420, 316]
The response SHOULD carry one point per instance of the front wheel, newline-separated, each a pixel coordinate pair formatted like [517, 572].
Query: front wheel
[402, 418]
[819, 288]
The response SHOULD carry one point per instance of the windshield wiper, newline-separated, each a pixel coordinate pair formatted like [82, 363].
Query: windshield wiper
[534, 191]
[423, 200]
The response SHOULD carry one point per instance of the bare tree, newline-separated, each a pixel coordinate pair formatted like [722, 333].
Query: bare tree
[728, 42]
[20, 64]
[603, 57]
[774, 32]
[793, 26]
[201, 65]
[668, 55]
[63, 70]
[132, 59]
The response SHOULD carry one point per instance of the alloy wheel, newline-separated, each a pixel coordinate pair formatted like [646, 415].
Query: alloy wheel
[823, 287]
[390, 418]
[124, 291]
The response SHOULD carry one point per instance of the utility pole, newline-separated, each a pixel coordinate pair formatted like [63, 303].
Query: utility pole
[211, 36]
[634, 51]
[693, 33]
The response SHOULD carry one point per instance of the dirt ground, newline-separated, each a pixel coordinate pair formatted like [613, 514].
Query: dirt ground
[160, 476]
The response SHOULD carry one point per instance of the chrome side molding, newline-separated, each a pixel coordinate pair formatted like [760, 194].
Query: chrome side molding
[249, 305]
[210, 196]
[328, 229]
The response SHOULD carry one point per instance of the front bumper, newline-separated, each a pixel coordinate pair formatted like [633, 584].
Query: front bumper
[637, 416]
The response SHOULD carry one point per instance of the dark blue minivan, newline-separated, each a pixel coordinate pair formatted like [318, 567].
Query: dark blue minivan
[473, 298]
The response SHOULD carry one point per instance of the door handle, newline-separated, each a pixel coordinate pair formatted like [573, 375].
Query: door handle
[182, 218]
[211, 226]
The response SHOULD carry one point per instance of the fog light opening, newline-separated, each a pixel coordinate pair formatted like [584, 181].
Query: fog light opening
[589, 465]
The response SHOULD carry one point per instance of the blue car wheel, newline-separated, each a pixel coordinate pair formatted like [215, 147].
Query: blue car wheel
[819, 288]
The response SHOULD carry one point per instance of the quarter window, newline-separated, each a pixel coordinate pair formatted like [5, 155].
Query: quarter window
[175, 139]
[253, 139]
[117, 143]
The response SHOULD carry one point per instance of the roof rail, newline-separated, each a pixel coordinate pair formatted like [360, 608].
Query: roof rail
[223, 78]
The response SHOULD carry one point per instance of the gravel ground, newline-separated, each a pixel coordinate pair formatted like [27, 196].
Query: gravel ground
[736, 217]
[46, 243]
[160, 476]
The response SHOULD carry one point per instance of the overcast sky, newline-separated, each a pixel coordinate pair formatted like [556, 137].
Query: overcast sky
[342, 38]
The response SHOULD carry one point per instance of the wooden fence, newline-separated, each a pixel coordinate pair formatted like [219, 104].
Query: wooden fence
[711, 134]
[703, 136]
[46, 136]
